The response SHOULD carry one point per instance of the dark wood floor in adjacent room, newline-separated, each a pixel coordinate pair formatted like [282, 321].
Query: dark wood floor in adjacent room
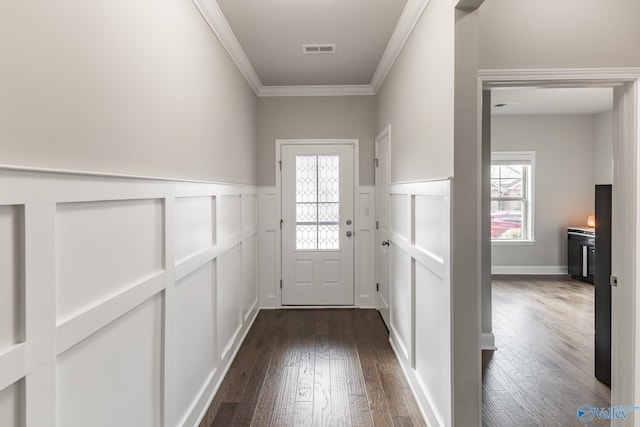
[315, 368]
[543, 368]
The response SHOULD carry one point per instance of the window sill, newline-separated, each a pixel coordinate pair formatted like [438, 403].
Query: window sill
[513, 242]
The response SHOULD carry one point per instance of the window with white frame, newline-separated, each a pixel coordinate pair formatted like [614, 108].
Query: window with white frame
[512, 196]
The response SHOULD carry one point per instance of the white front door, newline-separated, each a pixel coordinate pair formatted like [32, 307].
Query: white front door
[382, 225]
[317, 228]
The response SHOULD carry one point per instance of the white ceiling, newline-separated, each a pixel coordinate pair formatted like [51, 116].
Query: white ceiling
[271, 33]
[551, 100]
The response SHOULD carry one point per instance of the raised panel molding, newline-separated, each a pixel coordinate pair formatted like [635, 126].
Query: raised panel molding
[11, 405]
[11, 286]
[420, 306]
[269, 248]
[157, 249]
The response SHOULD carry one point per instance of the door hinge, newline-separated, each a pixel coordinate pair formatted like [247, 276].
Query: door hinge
[377, 225]
[281, 221]
[375, 162]
[613, 281]
[280, 164]
[280, 283]
[377, 287]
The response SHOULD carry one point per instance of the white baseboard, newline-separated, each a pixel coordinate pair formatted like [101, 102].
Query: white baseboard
[529, 269]
[488, 341]
[422, 400]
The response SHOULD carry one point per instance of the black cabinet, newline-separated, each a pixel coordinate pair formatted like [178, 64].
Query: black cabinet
[581, 254]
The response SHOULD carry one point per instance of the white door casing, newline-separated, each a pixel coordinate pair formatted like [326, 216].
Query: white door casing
[317, 205]
[382, 177]
[625, 345]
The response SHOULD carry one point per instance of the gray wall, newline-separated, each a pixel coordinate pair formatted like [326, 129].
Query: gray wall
[559, 34]
[417, 99]
[604, 148]
[124, 86]
[350, 117]
[564, 180]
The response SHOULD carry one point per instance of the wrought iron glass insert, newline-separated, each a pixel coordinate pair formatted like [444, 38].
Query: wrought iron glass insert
[317, 202]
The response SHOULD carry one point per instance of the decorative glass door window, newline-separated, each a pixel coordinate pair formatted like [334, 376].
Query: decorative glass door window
[317, 202]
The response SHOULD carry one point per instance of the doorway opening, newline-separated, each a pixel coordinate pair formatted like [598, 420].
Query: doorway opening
[514, 221]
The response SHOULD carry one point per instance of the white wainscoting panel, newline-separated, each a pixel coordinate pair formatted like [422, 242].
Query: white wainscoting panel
[433, 362]
[123, 300]
[195, 221]
[103, 248]
[195, 335]
[11, 405]
[230, 216]
[250, 275]
[11, 305]
[117, 367]
[421, 292]
[365, 255]
[229, 299]
[249, 211]
[269, 247]
[269, 244]
[400, 221]
[401, 298]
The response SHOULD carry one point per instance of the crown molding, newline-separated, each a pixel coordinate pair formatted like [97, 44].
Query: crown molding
[408, 20]
[317, 90]
[218, 23]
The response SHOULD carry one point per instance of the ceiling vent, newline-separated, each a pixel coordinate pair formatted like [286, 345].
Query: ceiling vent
[318, 48]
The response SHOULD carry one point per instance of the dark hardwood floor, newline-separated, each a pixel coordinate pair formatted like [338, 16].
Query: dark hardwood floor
[543, 368]
[315, 368]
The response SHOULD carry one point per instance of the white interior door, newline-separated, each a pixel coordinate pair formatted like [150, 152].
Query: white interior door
[317, 228]
[382, 224]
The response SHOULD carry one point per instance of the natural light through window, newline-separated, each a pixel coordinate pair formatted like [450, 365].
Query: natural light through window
[317, 202]
[512, 196]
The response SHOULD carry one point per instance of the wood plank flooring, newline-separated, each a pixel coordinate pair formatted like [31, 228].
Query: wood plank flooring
[315, 368]
[543, 368]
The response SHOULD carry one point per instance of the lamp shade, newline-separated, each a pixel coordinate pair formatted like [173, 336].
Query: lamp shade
[591, 221]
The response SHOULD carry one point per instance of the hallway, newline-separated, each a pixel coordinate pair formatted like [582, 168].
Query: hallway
[542, 370]
[315, 367]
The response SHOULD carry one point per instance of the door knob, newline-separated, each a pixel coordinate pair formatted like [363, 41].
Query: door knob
[349, 234]
[385, 243]
[348, 222]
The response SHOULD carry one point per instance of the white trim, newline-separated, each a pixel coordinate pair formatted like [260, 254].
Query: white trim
[317, 90]
[81, 172]
[214, 382]
[512, 242]
[625, 299]
[218, 23]
[407, 22]
[529, 77]
[488, 341]
[533, 270]
[12, 365]
[423, 401]
[220, 26]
